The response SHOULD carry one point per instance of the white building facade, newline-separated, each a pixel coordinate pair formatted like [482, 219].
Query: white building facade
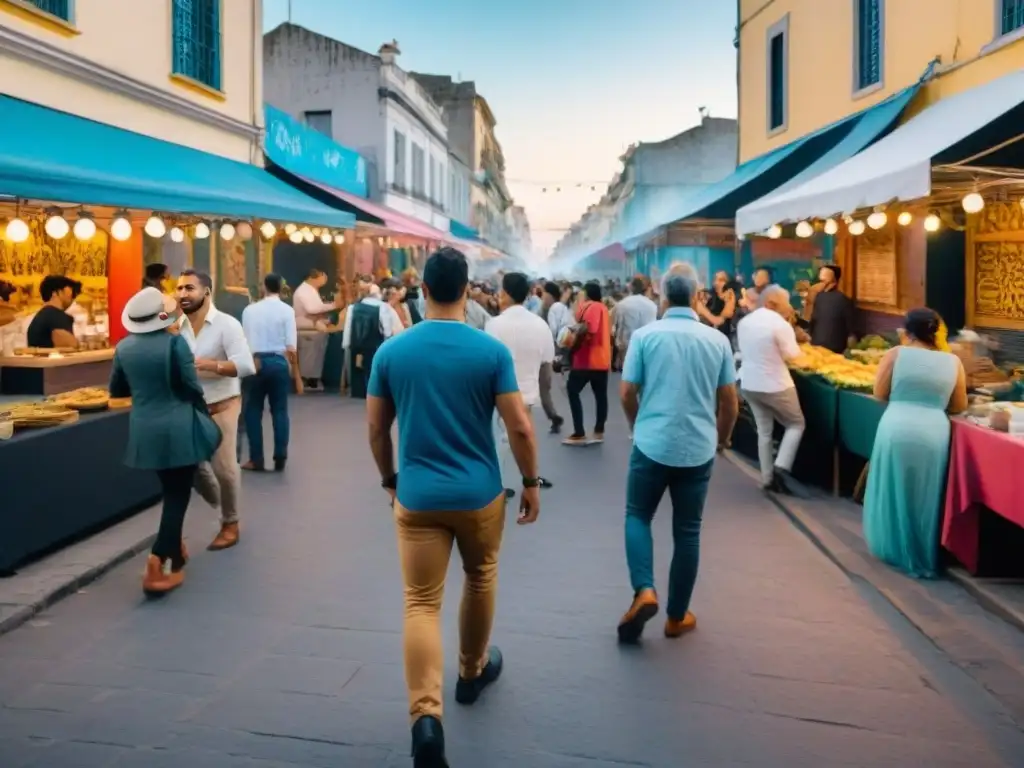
[368, 103]
[184, 71]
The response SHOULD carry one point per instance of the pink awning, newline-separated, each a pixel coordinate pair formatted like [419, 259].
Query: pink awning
[393, 220]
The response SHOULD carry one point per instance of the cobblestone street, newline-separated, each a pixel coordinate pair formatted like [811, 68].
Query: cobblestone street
[286, 651]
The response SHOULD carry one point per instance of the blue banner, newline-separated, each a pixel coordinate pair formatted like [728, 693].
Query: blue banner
[300, 150]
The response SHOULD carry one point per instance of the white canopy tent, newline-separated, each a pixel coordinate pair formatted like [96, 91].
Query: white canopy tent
[898, 167]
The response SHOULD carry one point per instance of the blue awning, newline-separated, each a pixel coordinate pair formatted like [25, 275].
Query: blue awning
[49, 155]
[461, 231]
[807, 156]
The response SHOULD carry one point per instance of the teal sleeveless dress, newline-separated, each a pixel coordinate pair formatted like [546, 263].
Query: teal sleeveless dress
[907, 479]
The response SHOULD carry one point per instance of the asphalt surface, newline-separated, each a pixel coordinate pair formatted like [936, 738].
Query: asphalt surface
[286, 651]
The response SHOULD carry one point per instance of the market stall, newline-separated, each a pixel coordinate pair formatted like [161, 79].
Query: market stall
[62, 473]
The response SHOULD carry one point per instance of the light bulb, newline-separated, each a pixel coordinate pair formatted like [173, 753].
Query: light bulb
[17, 231]
[316, 231]
[804, 229]
[155, 227]
[85, 228]
[268, 230]
[177, 234]
[307, 235]
[877, 220]
[325, 237]
[57, 227]
[973, 202]
[296, 237]
[289, 229]
[202, 230]
[227, 231]
[339, 239]
[121, 228]
[905, 218]
[831, 226]
[774, 232]
[856, 228]
[244, 230]
[932, 223]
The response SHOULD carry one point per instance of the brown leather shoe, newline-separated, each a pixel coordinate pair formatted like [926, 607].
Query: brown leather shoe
[159, 580]
[643, 609]
[674, 628]
[227, 537]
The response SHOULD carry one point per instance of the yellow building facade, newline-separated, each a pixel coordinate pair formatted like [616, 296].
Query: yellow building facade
[117, 62]
[833, 58]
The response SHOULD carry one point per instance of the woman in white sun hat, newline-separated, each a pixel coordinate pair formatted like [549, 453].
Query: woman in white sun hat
[170, 430]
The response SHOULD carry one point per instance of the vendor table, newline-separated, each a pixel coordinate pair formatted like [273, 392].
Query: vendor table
[27, 375]
[984, 478]
[63, 483]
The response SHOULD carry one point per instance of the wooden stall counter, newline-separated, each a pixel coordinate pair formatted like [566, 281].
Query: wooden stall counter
[49, 375]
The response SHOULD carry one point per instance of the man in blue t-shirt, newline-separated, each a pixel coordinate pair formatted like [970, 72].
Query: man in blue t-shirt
[443, 380]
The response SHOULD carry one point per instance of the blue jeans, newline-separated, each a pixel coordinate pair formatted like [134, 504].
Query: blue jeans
[688, 489]
[272, 382]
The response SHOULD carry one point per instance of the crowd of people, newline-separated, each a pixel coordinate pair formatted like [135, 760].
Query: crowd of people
[199, 377]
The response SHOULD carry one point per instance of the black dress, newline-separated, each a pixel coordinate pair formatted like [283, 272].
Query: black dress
[716, 306]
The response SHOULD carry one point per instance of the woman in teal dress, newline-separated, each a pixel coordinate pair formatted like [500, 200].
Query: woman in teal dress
[903, 503]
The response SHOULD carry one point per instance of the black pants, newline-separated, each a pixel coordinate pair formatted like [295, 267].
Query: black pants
[177, 487]
[598, 381]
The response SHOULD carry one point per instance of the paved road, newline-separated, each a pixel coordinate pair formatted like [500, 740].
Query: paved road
[286, 650]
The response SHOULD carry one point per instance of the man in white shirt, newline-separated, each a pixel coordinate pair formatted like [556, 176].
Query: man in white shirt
[222, 360]
[529, 340]
[311, 320]
[368, 324]
[269, 327]
[766, 341]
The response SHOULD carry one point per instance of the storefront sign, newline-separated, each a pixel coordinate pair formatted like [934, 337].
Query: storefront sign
[307, 153]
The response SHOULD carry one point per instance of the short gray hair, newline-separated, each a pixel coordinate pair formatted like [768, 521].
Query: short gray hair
[773, 291]
[680, 284]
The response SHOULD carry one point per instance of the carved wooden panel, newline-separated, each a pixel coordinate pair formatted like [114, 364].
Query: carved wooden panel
[999, 281]
[1000, 217]
[876, 268]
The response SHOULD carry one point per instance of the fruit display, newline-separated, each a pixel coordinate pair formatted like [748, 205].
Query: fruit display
[837, 369]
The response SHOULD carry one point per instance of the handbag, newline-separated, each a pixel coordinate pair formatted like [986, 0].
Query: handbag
[574, 336]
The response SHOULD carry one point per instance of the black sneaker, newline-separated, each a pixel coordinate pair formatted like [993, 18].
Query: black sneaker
[556, 425]
[428, 743]
[279, 464]
[545, 483]
[468, 691]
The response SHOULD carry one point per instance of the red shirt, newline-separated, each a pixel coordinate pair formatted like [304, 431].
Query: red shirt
[595, 353]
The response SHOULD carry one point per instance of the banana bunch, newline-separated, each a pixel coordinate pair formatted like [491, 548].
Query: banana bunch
[836, 369]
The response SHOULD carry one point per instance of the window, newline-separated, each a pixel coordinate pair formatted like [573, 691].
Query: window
[432, 184]
[59, 8]
[440, 184]
[196, 41]
[868, 48]
[401, 179]
[419, 171]
[320, 122]
[778, 75]
[1011, 16]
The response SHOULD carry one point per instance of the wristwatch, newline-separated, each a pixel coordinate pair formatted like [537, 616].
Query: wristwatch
[390, 483]
[531, 482]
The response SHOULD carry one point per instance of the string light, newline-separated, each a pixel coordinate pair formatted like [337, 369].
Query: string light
[296, 237]
[804, 229]
[307, 235]
[339, 239]
[856, 228]
[905, 218]
[973, 202]
[121, 227]
[831, 226]
[244, 230]
[85, 227]
[155, 227]
[325, 237]
[17, 230]
[57, 226]
[289, 229]
[202, 230]
[932, 223]
[177, 234]
[774, 232]
[268, 230]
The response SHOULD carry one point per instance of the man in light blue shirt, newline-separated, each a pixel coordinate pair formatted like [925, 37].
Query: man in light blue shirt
[679, 394]
[270, 329]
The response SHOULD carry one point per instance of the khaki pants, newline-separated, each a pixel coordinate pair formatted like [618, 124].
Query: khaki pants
[424, 547]
[219, 481]
[768, 408]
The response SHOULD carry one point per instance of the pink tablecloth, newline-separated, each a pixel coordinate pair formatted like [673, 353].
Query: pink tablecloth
[985, 469]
